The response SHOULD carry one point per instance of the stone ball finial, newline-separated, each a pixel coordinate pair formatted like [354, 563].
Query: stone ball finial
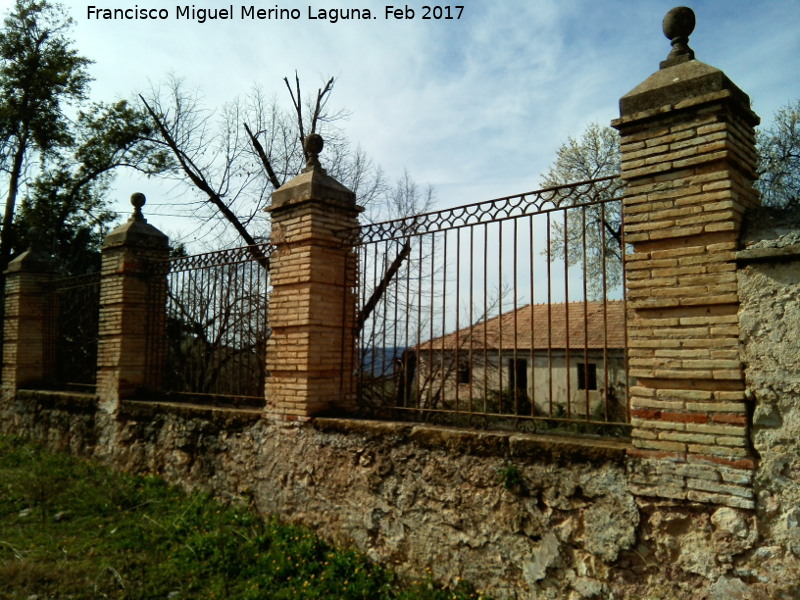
[678, 25]
[313, 145]
[679, 22]
[138, 200]
[35, 238]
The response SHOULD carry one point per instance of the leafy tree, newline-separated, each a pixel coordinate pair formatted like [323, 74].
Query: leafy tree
[60, 165]
[67, 200]
[779, 159]
[41, 75]
[596, 154]
[592, 233]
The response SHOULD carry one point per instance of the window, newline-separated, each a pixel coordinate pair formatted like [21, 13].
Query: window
[587, 376]
[518, 375]
[464, 373]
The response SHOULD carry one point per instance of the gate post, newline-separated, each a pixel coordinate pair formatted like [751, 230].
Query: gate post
[688, 159]
[27, 344]
[132, 306]
[311, 351]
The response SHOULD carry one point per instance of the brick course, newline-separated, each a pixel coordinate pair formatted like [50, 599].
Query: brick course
[688, 164]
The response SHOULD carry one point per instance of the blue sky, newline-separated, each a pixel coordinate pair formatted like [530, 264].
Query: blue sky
[476, 107]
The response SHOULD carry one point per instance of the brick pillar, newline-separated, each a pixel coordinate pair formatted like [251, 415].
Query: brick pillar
[311, 350]
[688, 159]
[27, 344]
[132, 307]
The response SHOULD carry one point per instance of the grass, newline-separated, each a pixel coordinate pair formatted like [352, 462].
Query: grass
[71, 529]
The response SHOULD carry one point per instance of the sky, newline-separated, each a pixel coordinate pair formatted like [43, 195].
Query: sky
[475, 106]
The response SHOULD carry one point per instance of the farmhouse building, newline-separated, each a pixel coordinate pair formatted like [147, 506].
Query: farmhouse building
[563, 359]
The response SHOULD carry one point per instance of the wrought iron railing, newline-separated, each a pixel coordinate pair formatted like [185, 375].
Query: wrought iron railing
[72, 327]
[505, 313]
[216, 326]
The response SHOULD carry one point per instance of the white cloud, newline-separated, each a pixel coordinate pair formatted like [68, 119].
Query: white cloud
[476, 106]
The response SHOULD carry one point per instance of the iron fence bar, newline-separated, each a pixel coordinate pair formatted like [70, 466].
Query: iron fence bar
[445, 366]
[485, 316]
[516, 338]
[406, 371]
[219, 258]
[362, 352]
[566, 317]
[471, 315]
[604, 283]
[395, 321]
[500, 312]
[429, 398]
[625, 356]
[458, 357]
[418, 397]
[586, 368]
[531, 325]
[77, 282]
[549, 317]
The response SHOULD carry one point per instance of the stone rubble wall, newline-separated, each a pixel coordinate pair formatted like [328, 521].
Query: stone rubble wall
[769, 287]
[520, 516]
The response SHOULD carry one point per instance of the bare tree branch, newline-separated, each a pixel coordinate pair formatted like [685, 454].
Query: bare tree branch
[297, 101]
[321, 99]
[198, 179]
[380, 289]
[236, 156]
[273, 179]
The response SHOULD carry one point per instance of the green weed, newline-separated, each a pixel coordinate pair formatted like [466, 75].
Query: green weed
[511, 477]
[73, 529]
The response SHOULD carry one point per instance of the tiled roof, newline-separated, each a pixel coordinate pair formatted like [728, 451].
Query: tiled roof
[592, 325]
